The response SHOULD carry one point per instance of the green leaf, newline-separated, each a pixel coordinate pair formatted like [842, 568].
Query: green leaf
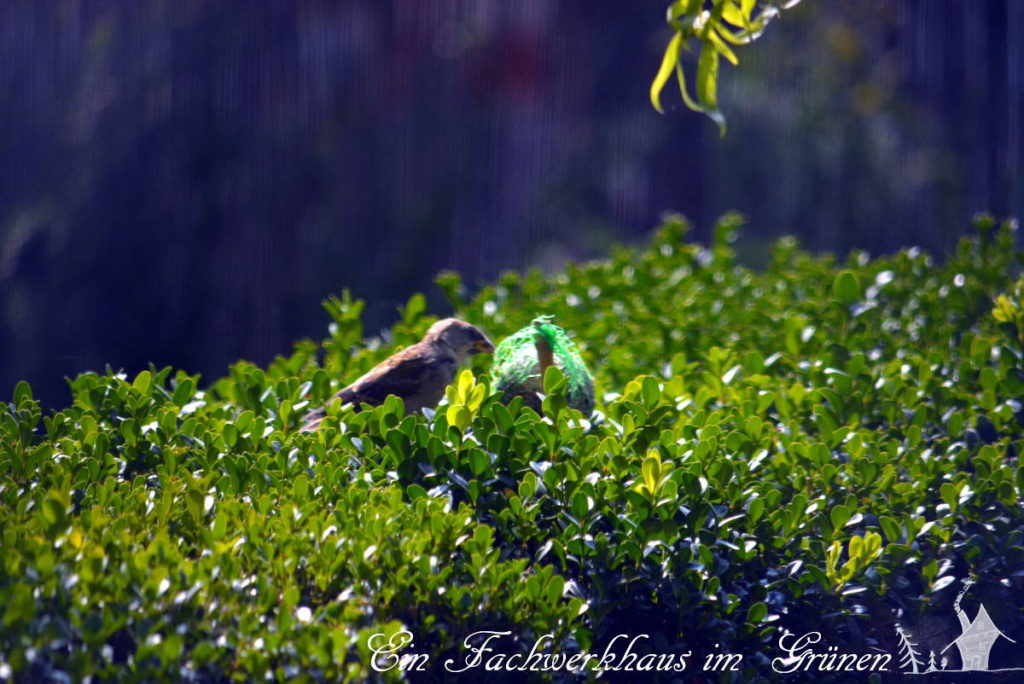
[980, 350]
[22, 393]
[183, 392]
[54, 509]
[194, 503]
[893, 530]
[651, 472]
[479, 463]
[856, 547]
[553, 478]
[300, 487]
[754, 426]
[872, 545]
[755, 509]
[757, 613]
[142, 382]
[555, 588]
[650, 391]
[528, 486]
[581, 505]
[950, 494]
[459, 416]
[230, 434]
[554, 380]
[533, 587]
[846, 287]
[19, 604]
[414, 308]
[839, 516]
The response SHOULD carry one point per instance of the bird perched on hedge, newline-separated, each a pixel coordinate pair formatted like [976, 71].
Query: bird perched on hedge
[520, 362]
[418, 374]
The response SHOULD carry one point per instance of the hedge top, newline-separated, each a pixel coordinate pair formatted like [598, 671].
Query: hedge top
[816, 445]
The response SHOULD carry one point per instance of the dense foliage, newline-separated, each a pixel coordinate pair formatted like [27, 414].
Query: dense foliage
[816, 445]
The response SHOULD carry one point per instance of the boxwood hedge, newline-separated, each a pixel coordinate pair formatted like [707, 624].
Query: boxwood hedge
[814, 445]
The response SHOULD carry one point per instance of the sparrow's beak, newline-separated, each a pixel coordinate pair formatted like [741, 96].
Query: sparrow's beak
[483, 347]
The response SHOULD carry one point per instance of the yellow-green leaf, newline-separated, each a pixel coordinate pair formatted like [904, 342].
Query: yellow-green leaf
[722, 48]
[477, 397]
[465, 384]
[668, 62]
[732, 12]
[687, 99]
[707, 84]
[142, 382]
[651, 471]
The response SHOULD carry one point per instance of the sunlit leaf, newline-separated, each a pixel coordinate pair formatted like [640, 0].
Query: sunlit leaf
[668, 63]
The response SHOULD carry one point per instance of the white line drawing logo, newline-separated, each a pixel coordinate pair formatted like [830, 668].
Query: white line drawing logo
[974, 643]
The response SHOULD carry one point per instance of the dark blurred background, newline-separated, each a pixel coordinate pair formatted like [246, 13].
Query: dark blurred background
[182, 181]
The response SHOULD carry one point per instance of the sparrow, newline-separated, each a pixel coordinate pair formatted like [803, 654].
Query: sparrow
[418, 374]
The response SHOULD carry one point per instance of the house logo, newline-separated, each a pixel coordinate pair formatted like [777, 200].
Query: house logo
[974, 645]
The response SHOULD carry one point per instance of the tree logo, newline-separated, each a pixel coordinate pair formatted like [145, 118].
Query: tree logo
[974, 643]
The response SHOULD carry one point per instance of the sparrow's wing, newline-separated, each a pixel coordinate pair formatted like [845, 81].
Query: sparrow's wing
[403, 375]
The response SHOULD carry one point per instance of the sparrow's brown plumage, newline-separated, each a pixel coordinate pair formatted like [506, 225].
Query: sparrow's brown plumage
[418, 374]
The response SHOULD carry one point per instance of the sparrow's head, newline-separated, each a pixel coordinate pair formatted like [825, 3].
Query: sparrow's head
[461, 337]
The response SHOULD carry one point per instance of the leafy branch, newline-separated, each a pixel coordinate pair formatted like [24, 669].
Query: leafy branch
[861, 551]
[717, 25]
